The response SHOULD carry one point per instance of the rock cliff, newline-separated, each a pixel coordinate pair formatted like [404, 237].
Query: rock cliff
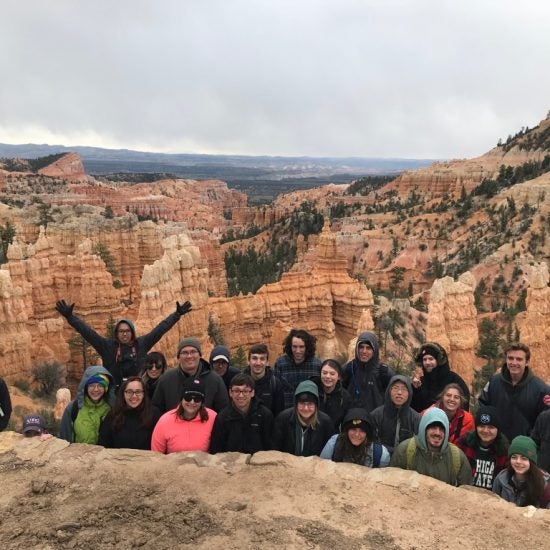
[56, 495]
[452, 322]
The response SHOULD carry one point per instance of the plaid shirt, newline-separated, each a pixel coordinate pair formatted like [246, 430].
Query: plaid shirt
[292, 374]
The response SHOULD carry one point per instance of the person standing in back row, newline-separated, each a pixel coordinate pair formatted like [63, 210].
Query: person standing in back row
[298, 362]
[124, 355]
[365, 377]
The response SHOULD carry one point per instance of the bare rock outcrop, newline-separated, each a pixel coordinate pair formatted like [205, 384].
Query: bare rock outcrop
[53, 494]
[68, 167]
[321, 298]
[534, 323]
[452, 322]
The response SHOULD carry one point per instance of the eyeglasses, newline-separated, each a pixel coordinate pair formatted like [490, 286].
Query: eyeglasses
[189, 353]
[154, 367]
[124, 331]
[195, 397]
[240, 392]
[97, 386]
[131, 393]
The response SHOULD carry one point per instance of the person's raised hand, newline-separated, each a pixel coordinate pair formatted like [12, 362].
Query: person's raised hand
[184, 308]
[64, 308]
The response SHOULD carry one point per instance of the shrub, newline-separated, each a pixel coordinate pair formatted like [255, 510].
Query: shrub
[50, 376]
[22, 385]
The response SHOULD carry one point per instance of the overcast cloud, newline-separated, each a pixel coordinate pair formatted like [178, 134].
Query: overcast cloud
[371, 78]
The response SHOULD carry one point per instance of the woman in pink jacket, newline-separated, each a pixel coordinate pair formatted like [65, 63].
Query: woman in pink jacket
[188, 426]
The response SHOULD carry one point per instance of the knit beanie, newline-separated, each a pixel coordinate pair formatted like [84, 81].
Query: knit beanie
[525, 446]
[102, 379]
[305, 391]
[429, 349]
[357, 418]
[487, 416]
[189, 342]
[193, 385]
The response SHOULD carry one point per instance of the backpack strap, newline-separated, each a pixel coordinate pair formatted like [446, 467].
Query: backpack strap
[455, 458]
[74, 410]
[376, 454]
[411, 452]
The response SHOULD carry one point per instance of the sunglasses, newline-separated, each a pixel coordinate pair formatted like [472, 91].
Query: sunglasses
[154, 367]
[193, 396]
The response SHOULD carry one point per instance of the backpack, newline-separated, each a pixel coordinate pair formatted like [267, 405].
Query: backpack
[455, 456]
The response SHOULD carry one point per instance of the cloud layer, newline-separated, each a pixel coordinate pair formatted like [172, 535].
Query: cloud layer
[384, 78]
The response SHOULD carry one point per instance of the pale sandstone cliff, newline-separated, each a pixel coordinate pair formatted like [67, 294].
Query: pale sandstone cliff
[322, 298]
[452, 322]
[534, 324]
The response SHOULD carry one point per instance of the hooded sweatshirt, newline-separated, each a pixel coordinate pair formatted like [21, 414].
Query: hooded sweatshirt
[123, 360]
[231, 371]
[367, 382]
[395, 424]
[85, 412]
[432, 383]
[434, 463]
[291, 436]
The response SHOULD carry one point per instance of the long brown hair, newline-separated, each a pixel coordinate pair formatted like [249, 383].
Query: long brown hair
[534, 484]
[121, 409]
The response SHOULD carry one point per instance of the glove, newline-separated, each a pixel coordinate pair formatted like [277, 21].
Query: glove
[182, 309]
[65, 309]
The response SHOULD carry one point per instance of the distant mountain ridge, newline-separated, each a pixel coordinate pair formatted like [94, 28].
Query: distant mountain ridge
[227, 167]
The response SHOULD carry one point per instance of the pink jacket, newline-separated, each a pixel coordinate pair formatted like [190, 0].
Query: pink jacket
[173, 435]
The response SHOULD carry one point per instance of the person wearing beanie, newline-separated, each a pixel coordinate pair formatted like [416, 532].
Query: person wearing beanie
[356, 442]
[124, 355]
[188, 427]
[485, 447]
[303, 429]
[83, 416]
[298, 363]
[436, 374]
[430, 453]
[518, 395]
[523, 482]
[395, 420]
[220, 360]
[169, 388]
[366, 377]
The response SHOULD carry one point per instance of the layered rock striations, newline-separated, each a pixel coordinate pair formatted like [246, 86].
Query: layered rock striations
[321, 298]
[534, 323]
[452, 322]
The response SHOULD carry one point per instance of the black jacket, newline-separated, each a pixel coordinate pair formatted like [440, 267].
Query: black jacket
[385, 417]
[168, 390]
[248, 433]
[269, 389]
[286, 427]
[541, 436]
[5, 405]
[132, 435]
[123, 360]
[432, 385]
[518, 406]
[367, 382]
[336, 403]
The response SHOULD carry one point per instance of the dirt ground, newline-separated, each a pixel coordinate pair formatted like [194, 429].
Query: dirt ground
[78, 496]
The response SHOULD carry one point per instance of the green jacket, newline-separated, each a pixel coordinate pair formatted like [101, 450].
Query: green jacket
[438, 464]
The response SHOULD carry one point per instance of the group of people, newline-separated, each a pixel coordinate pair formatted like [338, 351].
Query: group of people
[361, 412]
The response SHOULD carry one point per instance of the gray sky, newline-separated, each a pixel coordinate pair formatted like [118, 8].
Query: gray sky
[376, 78]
